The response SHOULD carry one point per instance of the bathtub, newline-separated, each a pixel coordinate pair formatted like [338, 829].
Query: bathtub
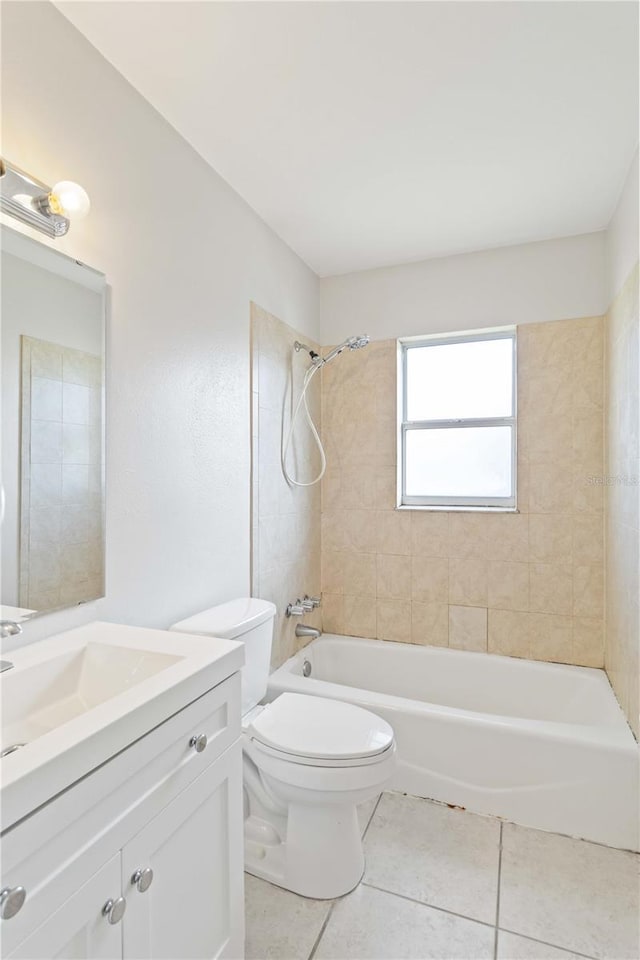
[542, 744]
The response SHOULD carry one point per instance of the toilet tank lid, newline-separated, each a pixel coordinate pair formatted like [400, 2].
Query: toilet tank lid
[228, 620]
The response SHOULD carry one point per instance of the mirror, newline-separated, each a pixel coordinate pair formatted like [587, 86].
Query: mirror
[52, 497]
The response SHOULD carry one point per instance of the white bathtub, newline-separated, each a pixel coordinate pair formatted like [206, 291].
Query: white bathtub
[542, 744]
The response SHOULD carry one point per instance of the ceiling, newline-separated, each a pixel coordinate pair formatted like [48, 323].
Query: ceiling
[368, 134]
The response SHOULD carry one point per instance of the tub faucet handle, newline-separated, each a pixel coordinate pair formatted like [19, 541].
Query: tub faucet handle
[312, 601]
[295, 609]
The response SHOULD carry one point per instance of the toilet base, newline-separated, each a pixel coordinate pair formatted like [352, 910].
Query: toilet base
[320, 857]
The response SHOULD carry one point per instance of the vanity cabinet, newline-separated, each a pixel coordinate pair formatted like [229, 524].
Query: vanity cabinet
[156, 832]
[187, 910]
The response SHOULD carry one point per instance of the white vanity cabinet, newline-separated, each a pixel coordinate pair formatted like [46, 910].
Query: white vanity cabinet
[156, 832]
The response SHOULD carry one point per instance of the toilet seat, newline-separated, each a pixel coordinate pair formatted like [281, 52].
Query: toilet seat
[317, 731]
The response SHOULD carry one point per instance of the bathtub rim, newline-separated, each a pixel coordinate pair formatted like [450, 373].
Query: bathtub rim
[617, 736]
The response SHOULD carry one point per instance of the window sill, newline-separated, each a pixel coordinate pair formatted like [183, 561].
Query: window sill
[458, 509]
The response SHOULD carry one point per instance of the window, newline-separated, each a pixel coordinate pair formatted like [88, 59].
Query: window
[458, 421]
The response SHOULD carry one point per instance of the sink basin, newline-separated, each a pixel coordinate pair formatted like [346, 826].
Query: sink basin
[74, 700]
[41, 697]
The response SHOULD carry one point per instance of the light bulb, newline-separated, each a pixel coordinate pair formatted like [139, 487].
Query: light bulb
[69, 200]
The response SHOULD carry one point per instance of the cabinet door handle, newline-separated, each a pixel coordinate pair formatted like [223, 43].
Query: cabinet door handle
[11, 900]
[114, 910]
[198, 742]
[142, 879]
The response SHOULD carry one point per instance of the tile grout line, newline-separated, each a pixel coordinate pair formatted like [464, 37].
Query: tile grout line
[321, 933]
[525, 936]
[373, 813]
[495, 946]
[462, 916]
[430, 906]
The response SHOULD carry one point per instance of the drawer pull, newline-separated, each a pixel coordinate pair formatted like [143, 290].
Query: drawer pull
[114, 910]
[198, 742]
[11, 900]
[142, 879]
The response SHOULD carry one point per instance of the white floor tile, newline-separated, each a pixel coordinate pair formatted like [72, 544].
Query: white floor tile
[513, 947]
[578, 895]
[279, 924]
[427, 851]
[372, 925]
[364, 813]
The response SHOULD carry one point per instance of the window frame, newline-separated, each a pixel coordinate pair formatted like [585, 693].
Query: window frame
[488, 504]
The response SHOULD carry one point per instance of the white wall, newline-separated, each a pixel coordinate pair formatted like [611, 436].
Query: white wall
[184, 255]
[550, 280]
[622, 234]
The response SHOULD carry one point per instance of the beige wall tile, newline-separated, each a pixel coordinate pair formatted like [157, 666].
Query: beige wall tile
[588, 590]
[550, 588]
[588, 438]
[359, 616]
[430, 623]
[548, 437]
[512, 563]
[550, 488]
[333, 531]
[393, 529]
[360, 534]
[394, 620]
[468, 628]
[468, 535]
[509, 633]
[332, 613]
[588, 497]
[287, 526]
[508, 536]
[588, 642]
[550, 538]
[508, 585]
[468, 582]
[588, 538]
[332, 571]
[359, 574]
[430, 579]
[429, 534]
[394, 577]
[551, 637]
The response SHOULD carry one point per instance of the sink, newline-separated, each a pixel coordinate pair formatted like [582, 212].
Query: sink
[46, 695]
[74, 700]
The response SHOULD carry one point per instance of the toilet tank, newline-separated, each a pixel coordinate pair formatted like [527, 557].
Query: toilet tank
[249, 620]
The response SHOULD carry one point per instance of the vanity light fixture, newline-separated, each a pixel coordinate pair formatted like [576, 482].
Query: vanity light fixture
[48, 209]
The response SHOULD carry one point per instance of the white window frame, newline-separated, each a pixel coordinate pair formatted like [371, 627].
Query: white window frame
[496, 504]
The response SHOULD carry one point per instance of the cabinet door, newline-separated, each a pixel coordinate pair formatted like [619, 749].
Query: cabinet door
[193, 907]
[78, 930]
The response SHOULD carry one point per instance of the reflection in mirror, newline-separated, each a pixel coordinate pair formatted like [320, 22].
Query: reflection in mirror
[52, 429]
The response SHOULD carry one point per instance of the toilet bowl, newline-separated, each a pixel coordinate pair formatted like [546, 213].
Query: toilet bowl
[307, 763]
[313, 761]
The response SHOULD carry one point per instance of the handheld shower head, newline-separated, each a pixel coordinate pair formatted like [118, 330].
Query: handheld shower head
[352, 343]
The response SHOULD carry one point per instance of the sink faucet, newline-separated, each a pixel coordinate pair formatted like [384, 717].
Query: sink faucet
[8, 628]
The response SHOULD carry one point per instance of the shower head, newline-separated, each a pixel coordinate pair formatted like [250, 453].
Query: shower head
[351, 343]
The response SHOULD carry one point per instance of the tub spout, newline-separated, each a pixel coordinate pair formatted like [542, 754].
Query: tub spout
[303, 631]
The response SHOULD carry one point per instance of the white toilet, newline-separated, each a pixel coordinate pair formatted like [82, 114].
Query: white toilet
[308, 762]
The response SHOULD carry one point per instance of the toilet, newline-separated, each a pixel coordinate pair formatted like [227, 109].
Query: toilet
[307, 763]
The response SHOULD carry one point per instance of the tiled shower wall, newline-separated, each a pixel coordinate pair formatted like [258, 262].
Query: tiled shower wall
[61, 551]
[622, 493]
[285, 562]
[527, 584]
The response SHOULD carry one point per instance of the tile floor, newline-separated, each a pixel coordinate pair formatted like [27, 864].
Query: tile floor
[444, 884]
